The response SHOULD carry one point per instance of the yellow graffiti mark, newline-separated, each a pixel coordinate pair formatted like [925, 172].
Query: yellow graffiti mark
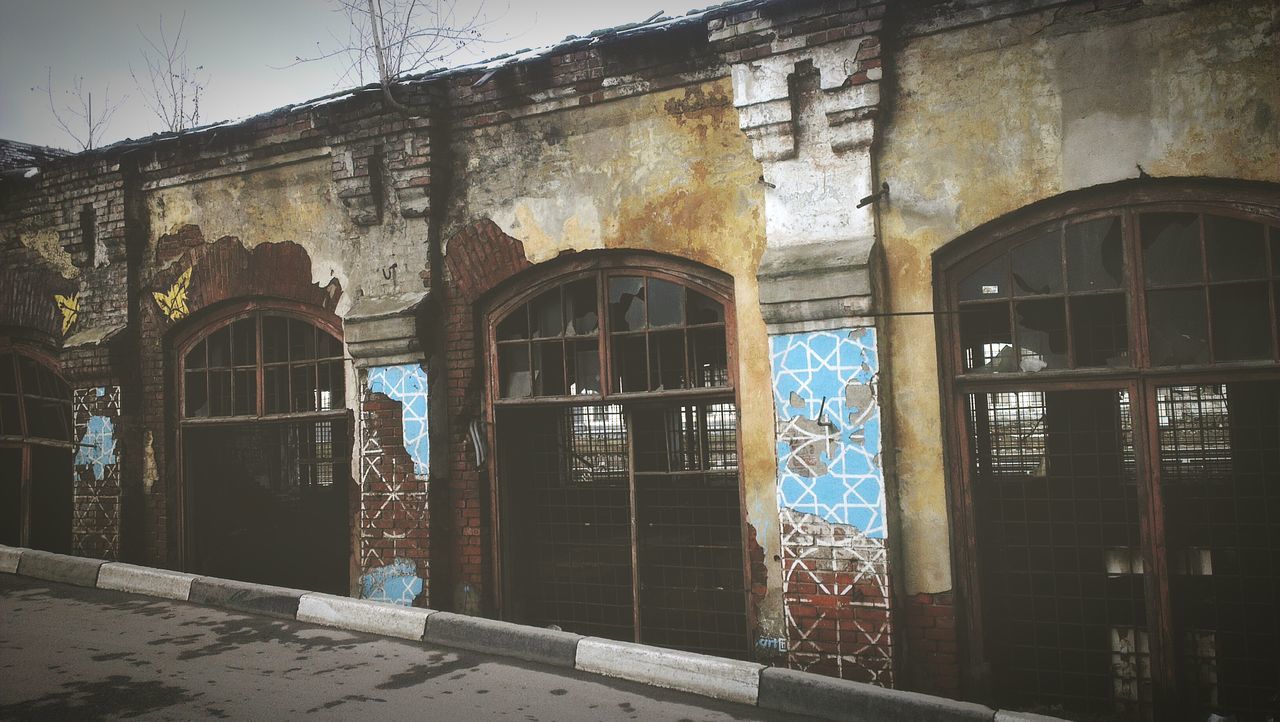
[173, 303]
[70, 308]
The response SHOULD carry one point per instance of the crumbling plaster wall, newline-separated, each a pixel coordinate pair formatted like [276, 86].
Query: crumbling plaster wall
[297, 201]
[668, 172]
[992, 117]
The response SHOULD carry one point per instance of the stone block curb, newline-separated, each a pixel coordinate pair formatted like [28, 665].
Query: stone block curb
[788, 690]
[59, 567]
[772, 688]
[145, 580]
[727, 679]
[9, 557]
[263, 599]
[362, 615]
[532, 644]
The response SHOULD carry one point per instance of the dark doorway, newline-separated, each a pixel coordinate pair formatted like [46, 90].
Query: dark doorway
[269, 502]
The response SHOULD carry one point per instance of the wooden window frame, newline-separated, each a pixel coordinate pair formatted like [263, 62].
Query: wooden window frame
[523, 288]
[953, 262]
[194, 330]
[24, 441]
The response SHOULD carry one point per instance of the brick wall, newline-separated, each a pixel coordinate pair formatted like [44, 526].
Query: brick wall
[476, 260]
[929, 629]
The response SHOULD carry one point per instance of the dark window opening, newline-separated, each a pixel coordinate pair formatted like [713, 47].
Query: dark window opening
[620, 502]
[36, 451]
[265, 445]
[1132, 385]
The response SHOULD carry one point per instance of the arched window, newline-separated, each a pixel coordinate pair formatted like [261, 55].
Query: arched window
[619, 503]
[1113, 380]
[35, 454]
[265, 449]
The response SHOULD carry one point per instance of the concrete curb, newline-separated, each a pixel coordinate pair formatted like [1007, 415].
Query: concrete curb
[532, 644]
[246, 597]
[731, 680]
[59, 568]
[145, 580]
[9, 557]
[361, 615]
[788, 690]
[726, 679]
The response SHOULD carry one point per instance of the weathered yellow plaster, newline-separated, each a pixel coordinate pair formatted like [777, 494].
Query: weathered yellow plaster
[994, 117]
[48, 245]
[668, 172]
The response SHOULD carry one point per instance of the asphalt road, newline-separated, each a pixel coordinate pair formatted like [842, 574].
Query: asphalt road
[74, 653]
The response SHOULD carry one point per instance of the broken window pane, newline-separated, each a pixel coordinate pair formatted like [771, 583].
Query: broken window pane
[708, 357]
[1037, 265]
[666, 303]
[1241, 322]
[331, 384]
[1236, 249]
[986, 339]
[1042, 334]
[513, 371]
[1095, 255]
[1100, 330]
[704, 310]
[548, 368]
[1171, 248]
[626, 303]
[1176, 327]
[629, 367]
[584, 367]
[547, 315]
[666, 361]
[990, 281]
[580, 307]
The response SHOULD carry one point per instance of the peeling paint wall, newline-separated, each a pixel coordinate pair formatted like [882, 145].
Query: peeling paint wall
[992, 117]
[297, 202]
[832, 499]
[668, 172]
[394, 531]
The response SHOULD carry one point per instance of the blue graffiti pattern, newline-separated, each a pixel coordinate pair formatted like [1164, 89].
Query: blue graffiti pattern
[829, 426]
[397, 583]
[408, 385]
[97, 449]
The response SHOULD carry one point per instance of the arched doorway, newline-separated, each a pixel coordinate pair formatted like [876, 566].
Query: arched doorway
[618, 498]
[264, 448]
[36, 453]
[1112, 370]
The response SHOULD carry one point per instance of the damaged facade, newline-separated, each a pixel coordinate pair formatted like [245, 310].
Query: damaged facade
[932, 345]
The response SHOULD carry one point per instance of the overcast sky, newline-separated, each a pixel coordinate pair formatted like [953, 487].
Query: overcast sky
[240, 43]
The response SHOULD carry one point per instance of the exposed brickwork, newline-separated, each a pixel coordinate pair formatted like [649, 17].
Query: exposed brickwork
[837, 597]
[476, 260]
[929, 630]
[393, 519]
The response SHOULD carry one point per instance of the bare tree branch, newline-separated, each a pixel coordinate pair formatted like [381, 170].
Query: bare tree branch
[393, 38]
[172, 88]
[78, 117]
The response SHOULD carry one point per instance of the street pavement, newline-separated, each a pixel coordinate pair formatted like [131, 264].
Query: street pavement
[75, 653]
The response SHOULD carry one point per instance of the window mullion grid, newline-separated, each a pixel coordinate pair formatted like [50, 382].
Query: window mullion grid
[1204, 289]
[259, 373]
[605, 328]
[1272, 239]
